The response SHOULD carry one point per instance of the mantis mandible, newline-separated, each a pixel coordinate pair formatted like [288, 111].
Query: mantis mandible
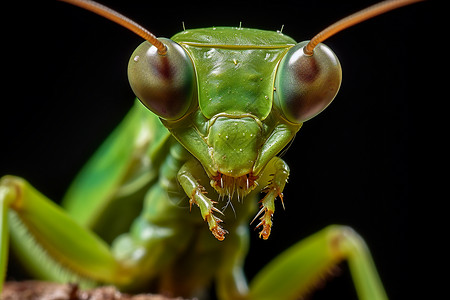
[231, 189]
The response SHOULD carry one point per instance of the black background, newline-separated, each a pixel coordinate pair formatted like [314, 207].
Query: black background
[349, 165]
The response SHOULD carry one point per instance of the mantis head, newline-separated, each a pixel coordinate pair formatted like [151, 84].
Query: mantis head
[305, 79]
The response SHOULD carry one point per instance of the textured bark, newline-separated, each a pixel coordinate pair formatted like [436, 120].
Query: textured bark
[41, 290]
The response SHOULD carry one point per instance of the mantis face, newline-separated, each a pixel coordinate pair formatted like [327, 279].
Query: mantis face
[240, 94]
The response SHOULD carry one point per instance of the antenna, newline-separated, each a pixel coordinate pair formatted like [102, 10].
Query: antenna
[120, 19]
[358, 17]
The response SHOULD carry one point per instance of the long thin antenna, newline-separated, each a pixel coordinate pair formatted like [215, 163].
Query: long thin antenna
[121, 20]
[358, 17]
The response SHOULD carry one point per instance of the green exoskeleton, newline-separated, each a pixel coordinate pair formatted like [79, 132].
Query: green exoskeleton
[216, 106]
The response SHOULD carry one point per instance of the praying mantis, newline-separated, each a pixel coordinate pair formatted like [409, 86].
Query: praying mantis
[228, 211]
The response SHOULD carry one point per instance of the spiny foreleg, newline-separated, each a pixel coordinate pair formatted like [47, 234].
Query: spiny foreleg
[279, 172]
[197, 196]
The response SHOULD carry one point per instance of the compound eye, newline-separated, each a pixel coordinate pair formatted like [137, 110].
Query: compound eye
[163, 83]
[306, 85]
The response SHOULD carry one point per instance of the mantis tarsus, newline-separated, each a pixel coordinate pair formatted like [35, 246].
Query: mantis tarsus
[298, 141]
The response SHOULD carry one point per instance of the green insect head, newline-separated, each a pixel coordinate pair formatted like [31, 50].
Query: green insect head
[234, 97]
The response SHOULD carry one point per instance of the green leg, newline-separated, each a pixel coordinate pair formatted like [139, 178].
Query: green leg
[5, 202]
[39, 222]
[301, 267]
[196, 192]
[279, 173]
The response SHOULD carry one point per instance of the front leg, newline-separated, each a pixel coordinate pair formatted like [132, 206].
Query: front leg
[278, 170]
[196, 192]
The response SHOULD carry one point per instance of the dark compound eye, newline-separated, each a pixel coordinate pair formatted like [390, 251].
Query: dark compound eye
[163, 83]
[306, 85]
